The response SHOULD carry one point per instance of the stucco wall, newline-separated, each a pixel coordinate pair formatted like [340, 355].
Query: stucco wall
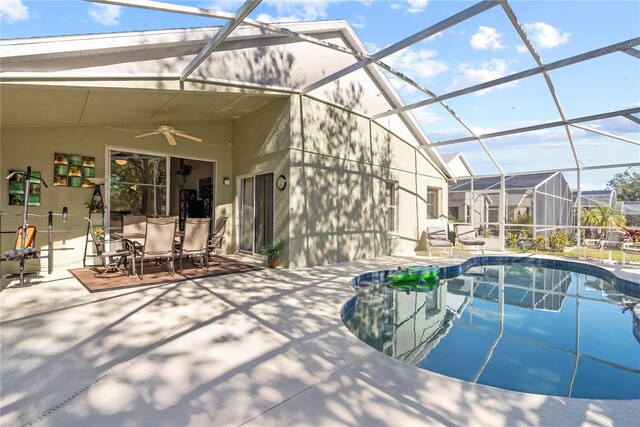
[261, 145]
[340, 163]
[35, 146]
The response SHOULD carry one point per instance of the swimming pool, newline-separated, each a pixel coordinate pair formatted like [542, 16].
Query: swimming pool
[533, 325]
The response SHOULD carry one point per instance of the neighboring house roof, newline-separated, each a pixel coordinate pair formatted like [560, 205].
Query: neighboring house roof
[512, 182]
[264, 62]
[590, 199]
[458, 164]
[630, 207]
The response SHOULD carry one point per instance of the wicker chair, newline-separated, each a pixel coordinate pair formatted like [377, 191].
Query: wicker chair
[438, 239]
[111, 260]
[158, 243]
[196, 233]
[467, 236]
[218, 234]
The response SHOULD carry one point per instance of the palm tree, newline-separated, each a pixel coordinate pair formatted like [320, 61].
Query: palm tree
[603, 216]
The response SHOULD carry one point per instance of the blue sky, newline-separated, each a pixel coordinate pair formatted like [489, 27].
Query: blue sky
[482, 48]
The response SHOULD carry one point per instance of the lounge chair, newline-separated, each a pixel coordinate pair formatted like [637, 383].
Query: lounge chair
[467, 236]
[196, 233]
[437, 238]
[614, 241]
[629, 248]
[111, 260]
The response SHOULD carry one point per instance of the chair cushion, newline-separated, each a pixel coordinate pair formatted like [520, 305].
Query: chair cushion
[440, 243]
[475, 242]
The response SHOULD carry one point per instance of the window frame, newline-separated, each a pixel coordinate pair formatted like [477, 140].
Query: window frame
[391, 211]
[437, 204]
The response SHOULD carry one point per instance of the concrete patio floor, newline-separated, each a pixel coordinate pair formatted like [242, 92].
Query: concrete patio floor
[261, 348]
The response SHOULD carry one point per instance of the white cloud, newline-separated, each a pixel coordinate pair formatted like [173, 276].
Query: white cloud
[396, 6]
[372, 47]
[13, 11]
[427, 116]
[487, 38]
[288, 11]
[419, 63]
[470, 76]
[224, 5]
[522, 48]
[544, 35]
[366, 2]
[416, 6]
[359, 21]
[105, 14]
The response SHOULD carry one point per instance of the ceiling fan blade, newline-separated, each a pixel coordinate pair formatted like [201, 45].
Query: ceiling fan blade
[147, 134]
[184, 135]
[171, 139]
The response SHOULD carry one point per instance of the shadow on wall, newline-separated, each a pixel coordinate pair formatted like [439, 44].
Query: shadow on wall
[341, 207]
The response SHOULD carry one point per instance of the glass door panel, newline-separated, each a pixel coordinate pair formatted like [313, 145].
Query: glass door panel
[264, 210]
[246, 215]
[137, 185]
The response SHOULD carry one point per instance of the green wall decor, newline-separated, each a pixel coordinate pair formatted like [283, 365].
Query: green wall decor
[73, 170]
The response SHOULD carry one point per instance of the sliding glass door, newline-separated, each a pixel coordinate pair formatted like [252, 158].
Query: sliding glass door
[256, 212]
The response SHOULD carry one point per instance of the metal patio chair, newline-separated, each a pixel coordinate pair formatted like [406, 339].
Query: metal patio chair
[195, 241]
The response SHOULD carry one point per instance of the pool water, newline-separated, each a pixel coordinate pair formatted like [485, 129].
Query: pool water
[518, 327]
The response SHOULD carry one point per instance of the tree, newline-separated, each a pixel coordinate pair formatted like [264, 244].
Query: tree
[603, 216]
[626, 184]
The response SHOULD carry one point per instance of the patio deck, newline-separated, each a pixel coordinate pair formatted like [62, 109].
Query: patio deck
[261, 348]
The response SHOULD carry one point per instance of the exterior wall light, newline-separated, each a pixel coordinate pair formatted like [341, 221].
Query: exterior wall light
[226, 181]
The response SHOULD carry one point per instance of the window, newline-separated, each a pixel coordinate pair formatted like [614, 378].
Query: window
[433, 203]
[392, 214]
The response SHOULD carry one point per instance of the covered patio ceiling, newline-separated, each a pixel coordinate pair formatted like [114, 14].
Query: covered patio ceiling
[38, 105]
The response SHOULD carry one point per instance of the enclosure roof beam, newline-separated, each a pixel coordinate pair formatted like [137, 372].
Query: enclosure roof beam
[540, 126]
[633, 52]
[427, 32]
[536, 172]
[632, 118]
[217, 40]
[610, 135]
[617, 47]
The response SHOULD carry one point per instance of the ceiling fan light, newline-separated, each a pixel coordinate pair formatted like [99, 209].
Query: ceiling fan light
[121, 162]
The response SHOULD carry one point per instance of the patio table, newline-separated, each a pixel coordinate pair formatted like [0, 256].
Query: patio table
[137, 239]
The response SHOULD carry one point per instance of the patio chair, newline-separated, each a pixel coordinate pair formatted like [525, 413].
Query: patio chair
[195, 241]
[158, 243]
[218, 234]
[614, 241]
[111, 260]
[134, 224]
[437, 238]
[467, 236]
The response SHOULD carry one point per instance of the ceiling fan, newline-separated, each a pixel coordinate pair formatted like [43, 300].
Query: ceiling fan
[169, 132]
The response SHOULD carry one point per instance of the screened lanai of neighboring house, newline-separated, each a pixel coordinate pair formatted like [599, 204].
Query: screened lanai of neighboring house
[548, 94]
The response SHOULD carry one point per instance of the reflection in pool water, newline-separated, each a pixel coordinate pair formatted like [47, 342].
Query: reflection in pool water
[524, 328]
